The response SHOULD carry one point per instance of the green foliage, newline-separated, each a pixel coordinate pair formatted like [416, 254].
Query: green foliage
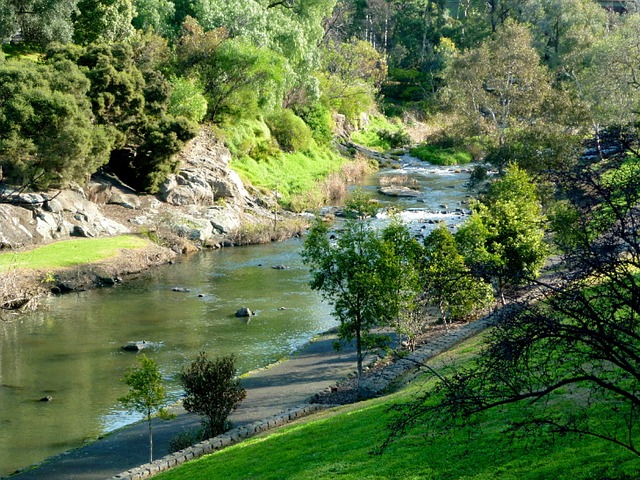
[290, 131]
[39, 22]
[103, 21]
[47, 132]
[156, 16]
[381, 134]
[441, 156]
[187, 100]
[212, 390]
[258, 160]
[146, 392]
[319, 120]
[361, 276]
[504, 238]
[449, 284]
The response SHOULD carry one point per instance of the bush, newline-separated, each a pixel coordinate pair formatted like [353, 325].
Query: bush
[212, 391]
[290, 131]
[186, 439]
[395, 138]
[441, 156]
[187, 100]
[319, 119]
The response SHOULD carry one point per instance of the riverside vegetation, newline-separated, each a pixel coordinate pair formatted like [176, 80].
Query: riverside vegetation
[544, 92]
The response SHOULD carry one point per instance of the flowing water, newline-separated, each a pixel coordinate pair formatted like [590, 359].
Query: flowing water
[71, 350]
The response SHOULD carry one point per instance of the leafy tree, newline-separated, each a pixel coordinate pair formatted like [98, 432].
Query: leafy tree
[47, 132]
[187, 100]
[504, 239]
[610, 83]
[449, 284]
[359, 276]
[501, 85]
[103, 21]
[352, 73]
[563, 29]
[212, 390]
[39, 21]
[146, 392]
[155, 15]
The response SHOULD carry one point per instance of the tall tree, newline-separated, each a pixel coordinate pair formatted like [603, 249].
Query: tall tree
[500, 86]
[38, 21]
[103, 21]
[449, 283]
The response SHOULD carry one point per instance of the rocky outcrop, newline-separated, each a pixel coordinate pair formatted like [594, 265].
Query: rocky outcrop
[203, 204]
[32, 219]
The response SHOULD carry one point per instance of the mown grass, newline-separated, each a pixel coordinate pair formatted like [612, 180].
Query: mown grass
[441, 156]
[338, 444]
[69, 253]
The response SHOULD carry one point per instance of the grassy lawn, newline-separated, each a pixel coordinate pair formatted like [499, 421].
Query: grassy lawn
[69, 253]
[337, 444]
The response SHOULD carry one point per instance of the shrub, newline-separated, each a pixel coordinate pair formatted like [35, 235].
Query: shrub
[212, 390]
[290, 131]
[187, 100]
[395, 138]
[319, 119]
[186, 439]
[441, 156]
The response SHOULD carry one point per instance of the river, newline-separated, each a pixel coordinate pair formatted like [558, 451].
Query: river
[71, 349]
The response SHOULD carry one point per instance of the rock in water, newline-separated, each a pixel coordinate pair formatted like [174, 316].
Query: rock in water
[244, 312]
[135, 346]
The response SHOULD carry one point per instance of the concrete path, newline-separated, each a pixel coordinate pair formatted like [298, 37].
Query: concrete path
[269, 392]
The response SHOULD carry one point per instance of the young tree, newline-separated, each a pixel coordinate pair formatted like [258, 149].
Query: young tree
[212, 390]
[146, 392]
[503, 241]
[359, 276]
[449, 284]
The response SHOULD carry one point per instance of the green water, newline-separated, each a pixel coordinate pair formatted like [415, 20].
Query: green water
[71, 351]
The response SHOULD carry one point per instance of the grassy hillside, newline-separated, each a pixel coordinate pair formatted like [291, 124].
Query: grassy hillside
[338, 444]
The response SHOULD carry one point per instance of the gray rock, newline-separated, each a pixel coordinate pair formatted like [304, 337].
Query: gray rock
[135, 346]
[53, 206]
[398, 191]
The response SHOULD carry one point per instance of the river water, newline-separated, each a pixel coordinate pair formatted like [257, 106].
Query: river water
[71, 349]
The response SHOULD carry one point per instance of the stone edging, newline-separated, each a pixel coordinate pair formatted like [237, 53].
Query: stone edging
[376, 382]
[217, 443]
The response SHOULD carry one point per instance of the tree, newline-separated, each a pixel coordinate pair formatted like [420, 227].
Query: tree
[146, 392]
[569, 361]
[155, 15]
[500, 86]
[38, 21]
[449, 284]
[358, 275]
[503, 241]
[105, 21]
[212, 390]
[48, 135]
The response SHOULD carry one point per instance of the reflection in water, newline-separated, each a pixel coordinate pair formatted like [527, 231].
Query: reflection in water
[71, 351]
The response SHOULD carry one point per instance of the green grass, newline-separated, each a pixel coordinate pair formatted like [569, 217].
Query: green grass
[70, 253]
[441, 156]
[337, 444]
[258, 160]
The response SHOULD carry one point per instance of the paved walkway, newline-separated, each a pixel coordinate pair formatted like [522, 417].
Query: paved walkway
[269, 392]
